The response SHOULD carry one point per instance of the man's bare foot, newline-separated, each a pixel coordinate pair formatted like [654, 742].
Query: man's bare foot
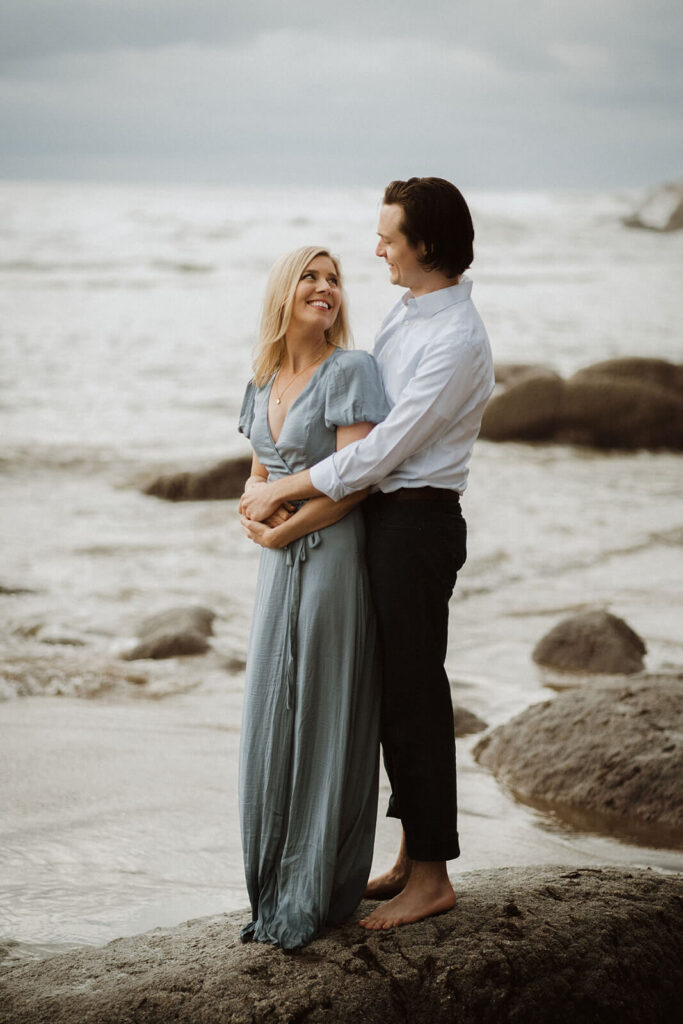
[389, 884]
[426, 893]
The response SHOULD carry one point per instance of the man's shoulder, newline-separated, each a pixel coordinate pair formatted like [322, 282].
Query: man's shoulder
[457, 325]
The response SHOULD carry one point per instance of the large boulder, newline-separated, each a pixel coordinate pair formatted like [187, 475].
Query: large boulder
[527, 410]
[607, 758]
[662, 209]
[620, 414]
[618, 404]
[223, 481]
[529, 945]
[657, 372]
[172, 633]
[593, 641]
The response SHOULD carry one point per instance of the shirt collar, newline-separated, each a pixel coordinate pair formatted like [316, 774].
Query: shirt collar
[433, 302]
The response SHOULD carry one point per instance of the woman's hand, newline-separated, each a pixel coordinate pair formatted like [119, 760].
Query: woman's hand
[250, 484]
[261, 534]
[258, 504]
[281, 515]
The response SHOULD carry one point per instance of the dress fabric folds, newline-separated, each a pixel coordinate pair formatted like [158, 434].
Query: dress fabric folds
[309, 745]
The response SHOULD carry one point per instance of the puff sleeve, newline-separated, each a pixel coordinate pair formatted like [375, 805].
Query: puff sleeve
[354, 391]
[247, 412]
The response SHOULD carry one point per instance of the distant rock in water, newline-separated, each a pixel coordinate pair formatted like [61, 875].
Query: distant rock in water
[466, 722]
[173, 633]
[607, 758]
[661, 211]
[220, 482]
[532, 945]
[593, 641]
[622, 404]
[192, 617]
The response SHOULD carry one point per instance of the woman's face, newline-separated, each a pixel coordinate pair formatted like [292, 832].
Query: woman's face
[317, 298]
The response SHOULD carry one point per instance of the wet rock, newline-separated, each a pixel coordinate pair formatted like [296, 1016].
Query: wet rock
[168, 645]
[527, 410]
[620, 414]
[658, 372]
[594, 641]
[234, 664]
[661, 211]
[526, 944]
[619, 404]
[192, 618]
[172, 633]
[466, 722]
[607, 759]
[223, 481]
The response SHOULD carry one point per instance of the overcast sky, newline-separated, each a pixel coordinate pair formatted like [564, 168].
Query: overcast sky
[490, 93]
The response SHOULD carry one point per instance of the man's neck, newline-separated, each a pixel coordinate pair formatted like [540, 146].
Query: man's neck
[433, 282]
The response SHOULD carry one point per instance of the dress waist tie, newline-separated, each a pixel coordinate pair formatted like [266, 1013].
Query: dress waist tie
[295, 555]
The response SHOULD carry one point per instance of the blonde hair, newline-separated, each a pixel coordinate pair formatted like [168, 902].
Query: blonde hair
[277, 310]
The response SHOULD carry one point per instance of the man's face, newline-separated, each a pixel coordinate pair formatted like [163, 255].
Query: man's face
[393, 247]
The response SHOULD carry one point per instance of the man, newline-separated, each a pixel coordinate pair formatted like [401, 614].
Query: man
[437, 370]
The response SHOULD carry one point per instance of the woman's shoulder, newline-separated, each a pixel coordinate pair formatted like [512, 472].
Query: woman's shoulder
[355, 361]
[246, 417]
[355, 357]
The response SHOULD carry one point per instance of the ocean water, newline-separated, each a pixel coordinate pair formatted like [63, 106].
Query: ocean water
[127, 319]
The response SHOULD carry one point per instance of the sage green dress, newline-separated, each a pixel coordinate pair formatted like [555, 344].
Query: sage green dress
[309, 745]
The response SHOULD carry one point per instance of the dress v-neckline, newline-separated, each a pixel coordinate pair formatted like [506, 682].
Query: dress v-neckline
[275, 441]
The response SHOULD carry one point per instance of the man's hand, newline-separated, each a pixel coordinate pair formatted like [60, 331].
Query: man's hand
[281, 515]
[257, 503]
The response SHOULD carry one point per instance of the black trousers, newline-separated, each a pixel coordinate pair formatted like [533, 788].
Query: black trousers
[415, 548]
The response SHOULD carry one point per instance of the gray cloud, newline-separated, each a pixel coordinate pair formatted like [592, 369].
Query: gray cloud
[491, 93]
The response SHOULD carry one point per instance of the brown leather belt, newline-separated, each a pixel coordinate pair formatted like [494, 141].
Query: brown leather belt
[422, 494]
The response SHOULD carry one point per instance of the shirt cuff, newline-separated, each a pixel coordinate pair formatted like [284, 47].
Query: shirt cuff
[325, 478]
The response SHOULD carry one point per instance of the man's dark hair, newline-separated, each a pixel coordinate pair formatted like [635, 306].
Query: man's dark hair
[435, 213]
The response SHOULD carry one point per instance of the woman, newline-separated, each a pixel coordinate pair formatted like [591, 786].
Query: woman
[309, 747]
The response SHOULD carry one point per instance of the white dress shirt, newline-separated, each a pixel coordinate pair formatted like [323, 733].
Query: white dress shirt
[435, 359]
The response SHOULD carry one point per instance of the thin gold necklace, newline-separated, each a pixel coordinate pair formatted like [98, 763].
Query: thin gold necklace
[279, 394]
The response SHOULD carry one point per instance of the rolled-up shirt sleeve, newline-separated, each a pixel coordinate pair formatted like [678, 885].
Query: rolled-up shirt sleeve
[446, 385]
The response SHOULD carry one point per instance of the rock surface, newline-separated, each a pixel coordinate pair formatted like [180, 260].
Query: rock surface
[618, 404]
[466, 722]
[531, 945]
[658, 372]
[593, 641]
[223, 481]
[527, 410]
[607, 759]
[661, 211]
[172, 633]
[192, 617]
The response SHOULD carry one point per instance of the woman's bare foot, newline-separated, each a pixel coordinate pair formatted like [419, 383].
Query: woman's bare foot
[389, 884]
[428, 891]
[393, 881]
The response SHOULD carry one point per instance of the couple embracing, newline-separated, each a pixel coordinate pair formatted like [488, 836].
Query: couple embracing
[354, 496]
